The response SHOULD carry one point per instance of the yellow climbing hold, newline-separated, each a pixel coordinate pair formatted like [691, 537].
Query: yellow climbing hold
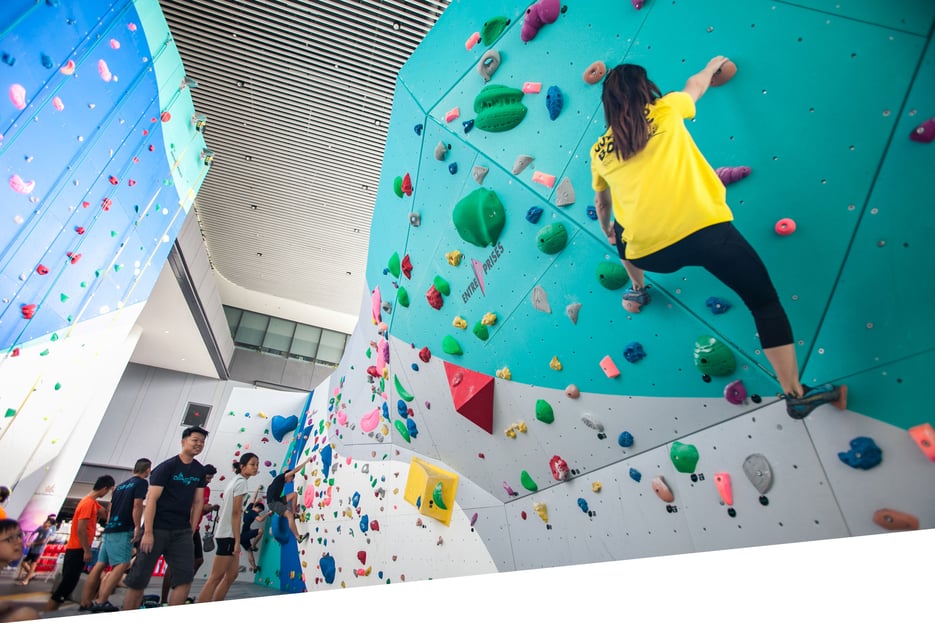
[454, 257]
[510, 432]
[542, 511]
[489, 319]
[521, 426]
[459, 322]
[504, 373]
[261, 415]
[596, 487]
[555, 364]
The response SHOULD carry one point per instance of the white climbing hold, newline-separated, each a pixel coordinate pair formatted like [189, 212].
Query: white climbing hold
[571, 310]
[479, 173]
[540, 300]
[522, 161]
[565, 193]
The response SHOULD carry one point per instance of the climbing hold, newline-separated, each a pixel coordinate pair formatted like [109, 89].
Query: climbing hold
[452, 114]
[499, 108]
[401, 390]
[572, 391]
[735, 392]
[662, 490]
[473, 519]
[488, 64]
[509, 490]
[398, 186]
[722, 482]
[403, 430]
[864, 453]
[565, 193]
[451, 346]
[481, 331]
[459, 322]
[473, 40]
[729, 175]
[924, 132]
[18, 96]
[559, 467]
[555, 364]
[533, 214]
[544, 412]
[425, 354]
[479, 217]
[489, 319]
[19, 185]
[546, 179]
[596, 487]
[437, 497]
[611, 275]
[625, 439]
[758, 471]
[717, 305]
[493, 28]
[571, 310]
[434, 297]
[522, 161]
[635, 474]
[441, 285]
[453, 168]
[454, 257]
[583, 505]
[590, 423]
[591, 212]
[684, 456]
[609, 367]
[479, 173]
[393, 264]
[532, 87]
[552, 238]
[637, 4]
[467, 125]
[723, 74]
[327, 566]
[540, 300]
[504, 373]
[924, 436]
[542, 511]
[895, 520]
[633, 352]
[414, 219]
[528, 482]
[280, 426]
[785, 227]
[595, 72]
[713, 357]
[406, 266]
[538, 15]
[554, 100]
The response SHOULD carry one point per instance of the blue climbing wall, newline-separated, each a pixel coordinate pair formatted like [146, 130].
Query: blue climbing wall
[100, 157]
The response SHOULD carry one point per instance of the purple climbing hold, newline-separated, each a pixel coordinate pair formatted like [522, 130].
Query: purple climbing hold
[717, 305]
[533, 214]
[735, 392]
[924, 132]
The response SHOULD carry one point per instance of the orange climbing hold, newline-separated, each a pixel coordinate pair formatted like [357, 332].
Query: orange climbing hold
[924, 436]
[722, 481]
[895, 520]
[544, 178]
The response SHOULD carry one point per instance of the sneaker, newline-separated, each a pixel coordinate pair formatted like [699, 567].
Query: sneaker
[814, 397]
[635, 298]
[104, 607]
[86, 608]
[303, 538]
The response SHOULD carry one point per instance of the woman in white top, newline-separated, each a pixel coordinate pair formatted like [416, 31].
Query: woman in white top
[227, 555]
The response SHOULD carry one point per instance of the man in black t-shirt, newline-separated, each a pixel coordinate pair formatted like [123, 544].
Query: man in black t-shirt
[286, 505]
[171, 515]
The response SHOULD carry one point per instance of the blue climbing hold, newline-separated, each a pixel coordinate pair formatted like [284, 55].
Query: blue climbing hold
[625, 440]
[402, 408]
[327, 566]
[468, 125]
[453, 168]
[411, 427]
[386, 411]
[364, 523]
[554, 100]
[533, 214]
[280, 530]
[415, 367]
[635, 474]
[355, 499]
[325, 460]
[864, 453]
[592, 213]
[418, 129]
[583, 504]
[633, 352]
[419, 502]
[280, 426]
[717, 305]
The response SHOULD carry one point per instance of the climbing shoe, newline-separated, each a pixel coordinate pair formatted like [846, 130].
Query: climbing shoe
[814, 397]
[635, 298]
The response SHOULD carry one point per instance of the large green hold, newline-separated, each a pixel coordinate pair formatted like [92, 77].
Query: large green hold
[481, 331]
[493, 28]
[498, 108]
[552, 238]
[684, 456]
[451, 346]
[713, 357]
[612, 275]
[402, 297]
[528, 482]
[544, 412]
[398, 186]
[441, 285]
[393, 265]
[479, 217]
[403, 430]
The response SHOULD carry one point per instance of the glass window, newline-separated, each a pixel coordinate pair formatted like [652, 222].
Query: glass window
[251, 329]
[305, 342]
[278, 336]
[332, 347]
[233, 317]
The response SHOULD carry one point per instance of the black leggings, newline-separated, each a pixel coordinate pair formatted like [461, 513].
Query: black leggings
[722, 251]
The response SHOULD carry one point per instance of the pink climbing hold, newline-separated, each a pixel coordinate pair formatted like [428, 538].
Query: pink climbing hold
[18, 96]
[924, 132]
[20, 185]
[58, 104]
[609, 367]
[103, 71]
[637, 4]
[544, 178]
[532, 87]
[735, 392]
[729, 175]
[369, 422]
[785, 227]
[472, 41]
[722, 481]
[452, 114]
[559, 467]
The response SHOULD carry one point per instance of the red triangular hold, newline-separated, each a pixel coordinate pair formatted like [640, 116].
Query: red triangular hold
[472, 393]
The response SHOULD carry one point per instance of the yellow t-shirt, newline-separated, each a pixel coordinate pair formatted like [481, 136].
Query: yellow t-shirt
[668, 190]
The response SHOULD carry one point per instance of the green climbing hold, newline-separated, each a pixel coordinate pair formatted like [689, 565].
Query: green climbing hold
[713, 357]
[528, 482]
[544, 412]
[403, 431]
[402, 297]
[684, 456]
[481, 331]
[402, 390]
[398, 186]
[63, 297]
[441, 285]
[369, 353]
[437, 497]
[612, 275]
[493, 28]
[53, 337]
[393, 264]
[552, 238]
[451, 346]
[498, 108]
[479, 217]
[10, 412]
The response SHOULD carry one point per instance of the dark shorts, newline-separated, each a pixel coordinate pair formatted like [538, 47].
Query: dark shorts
[177, 549]
[277, 507]
[33, 554]
[225, 546]
[196, 541]
[246, 537]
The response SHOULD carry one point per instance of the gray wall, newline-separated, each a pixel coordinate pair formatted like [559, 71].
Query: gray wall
[253, 366]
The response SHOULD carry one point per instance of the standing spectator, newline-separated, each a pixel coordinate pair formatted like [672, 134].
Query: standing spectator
[78, 547]
[227, 535]
[208, 508]
[124, 526]
[170, 516]
[11, 548]
[286, 505]
[40, 536]
[4, 496]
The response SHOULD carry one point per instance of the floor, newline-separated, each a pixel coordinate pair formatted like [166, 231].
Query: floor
[37, 593]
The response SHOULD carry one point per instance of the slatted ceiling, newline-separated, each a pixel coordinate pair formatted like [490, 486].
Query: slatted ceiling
[318, 81]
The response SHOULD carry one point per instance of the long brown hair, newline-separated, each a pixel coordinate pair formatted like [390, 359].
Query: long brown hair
[627, 93]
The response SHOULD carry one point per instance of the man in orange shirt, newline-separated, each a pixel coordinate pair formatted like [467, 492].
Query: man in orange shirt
[78, 547]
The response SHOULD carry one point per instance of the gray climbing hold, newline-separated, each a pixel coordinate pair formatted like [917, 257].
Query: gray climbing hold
[522, 161]
[757, 469]
[572, 312]
[414, 219]
[441, 151]
[564, 194]
[488, 64]
[540, 301]
[479, 173]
